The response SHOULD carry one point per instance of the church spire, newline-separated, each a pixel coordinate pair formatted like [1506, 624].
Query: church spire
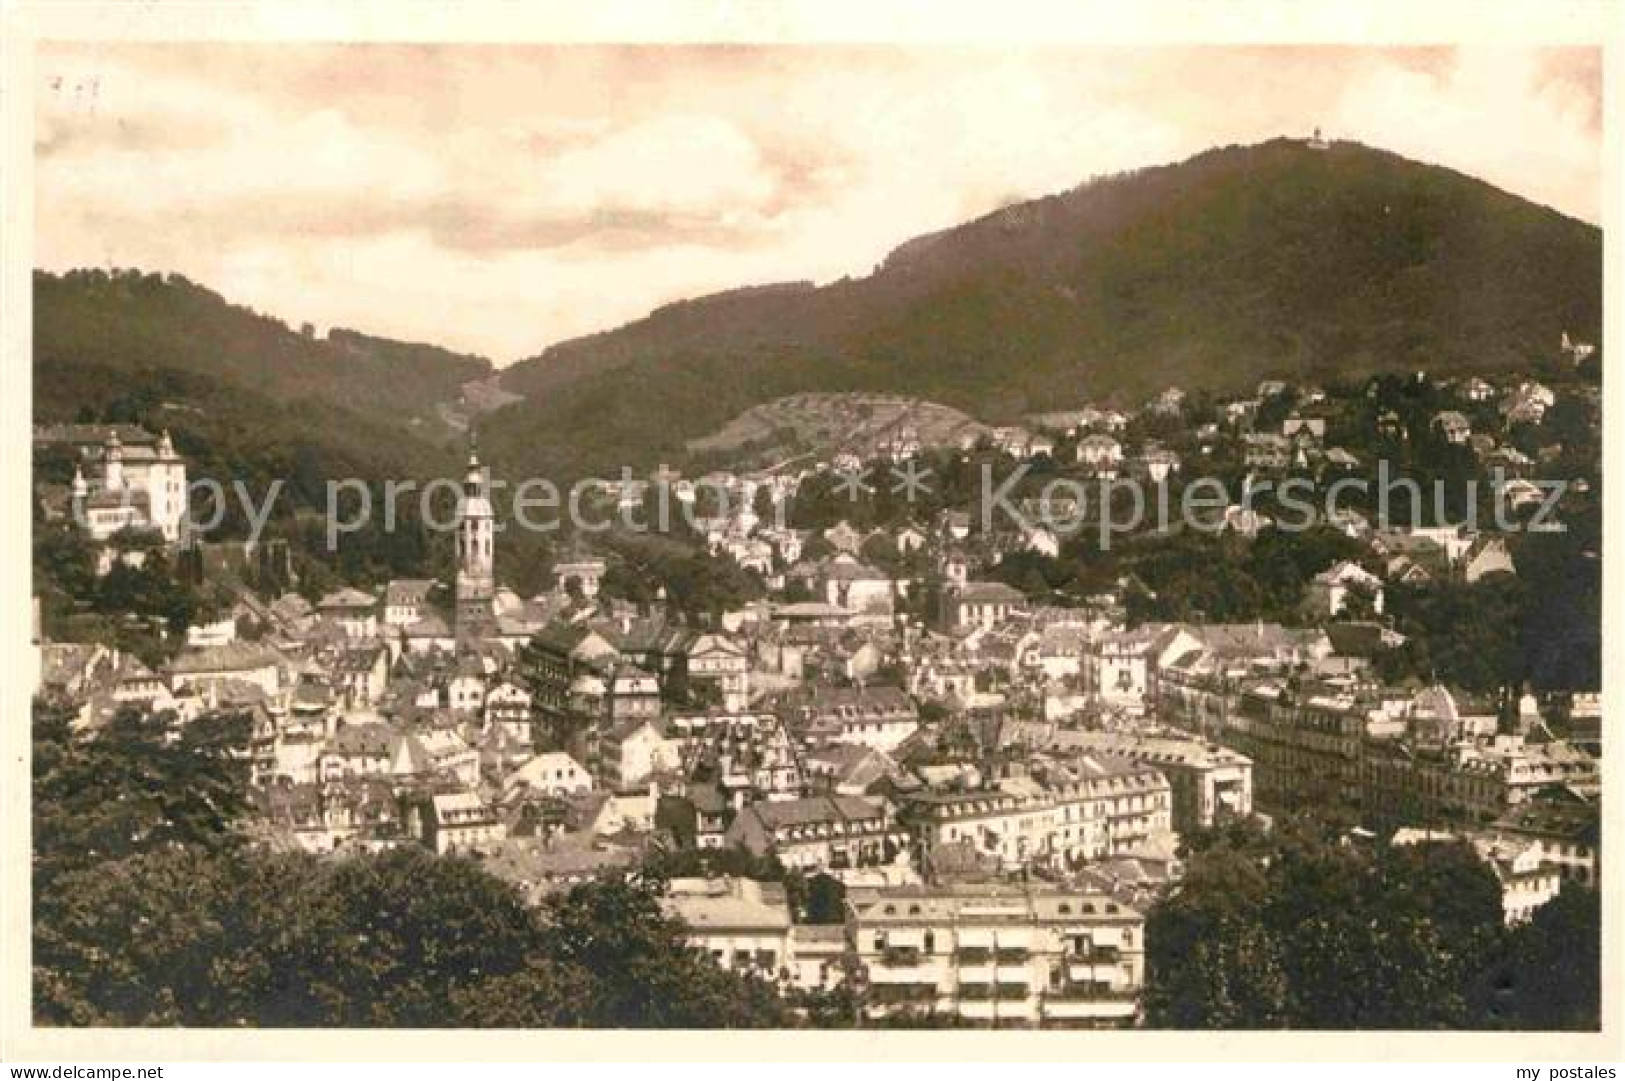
[476, 542]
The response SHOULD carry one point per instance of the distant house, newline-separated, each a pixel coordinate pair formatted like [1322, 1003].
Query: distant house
[880, 718]
[1339, 458]
[1119, 667]
[722, 662]
[1575, 349]
[581, 574]
[455, 821]
[405, 599]
[630, 752]
[1169, 402]
[1267, 451]
[1453, 425]
[1100, 452]
[847, 581]
[1520, 494]
[356, 750]
[508, 706]
[954, 524]
[247, 661]
[1239, 411]
[980, 604]
[1510, 460]
[1158, 463]
[844, 538]
[909, 538]
[1489, 555]
[354, 611]
[1330, 590]
[1527, 404]
[1244, 521]
[1297, 425]
[552, 773]
[837, 834]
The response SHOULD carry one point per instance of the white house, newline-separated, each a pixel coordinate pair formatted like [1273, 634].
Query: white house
[552, 773]
[1330, 590]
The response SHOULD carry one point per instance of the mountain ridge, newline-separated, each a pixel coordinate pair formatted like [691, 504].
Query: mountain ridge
[1270, 260]
[1275, 259]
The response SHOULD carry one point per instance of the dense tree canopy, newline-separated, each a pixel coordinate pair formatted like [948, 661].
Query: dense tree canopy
[1298, 930]
[150, 910]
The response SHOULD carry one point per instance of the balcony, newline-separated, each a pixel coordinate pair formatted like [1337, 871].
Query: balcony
[1089, 1010]
[994, 992]
[999, 1011]
[1092, 993]
[1096, 955]
[895, 994]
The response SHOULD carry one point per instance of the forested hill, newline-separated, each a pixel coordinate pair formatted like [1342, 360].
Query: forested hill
[246, 396]
[127, 320]
[1240, 263]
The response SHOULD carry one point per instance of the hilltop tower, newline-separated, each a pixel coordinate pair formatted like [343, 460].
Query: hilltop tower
[476, 552]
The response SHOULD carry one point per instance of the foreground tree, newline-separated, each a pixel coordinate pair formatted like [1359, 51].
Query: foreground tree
[1543, 977]
[611, 958]
[1294, 929]
[151, 909]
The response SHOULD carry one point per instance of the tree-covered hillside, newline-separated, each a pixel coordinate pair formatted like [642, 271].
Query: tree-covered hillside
[130, 321]
[1243, 262]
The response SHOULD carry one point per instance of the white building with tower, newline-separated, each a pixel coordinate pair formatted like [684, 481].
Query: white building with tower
[124, 478]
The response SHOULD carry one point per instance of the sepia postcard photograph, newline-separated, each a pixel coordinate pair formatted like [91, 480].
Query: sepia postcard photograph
[1090, 542]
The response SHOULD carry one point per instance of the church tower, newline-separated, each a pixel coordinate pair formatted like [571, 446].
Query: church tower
[113, 463]
[476, 552]
[166, 489]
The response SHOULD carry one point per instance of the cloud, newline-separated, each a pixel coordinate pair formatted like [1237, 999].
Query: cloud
[1493, 113]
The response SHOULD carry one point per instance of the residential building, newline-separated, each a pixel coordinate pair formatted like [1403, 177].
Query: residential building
[1036, 955]
[836, 834]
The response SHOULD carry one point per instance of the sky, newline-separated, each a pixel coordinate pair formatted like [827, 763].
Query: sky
[498, 199]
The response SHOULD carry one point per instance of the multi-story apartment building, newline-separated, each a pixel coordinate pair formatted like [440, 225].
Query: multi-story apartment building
[1000, 954]
[877, 717]
[1306, 748]
[1208, 782]
[743, 924]
[1566, 828]
[720, 661]
[1059, 814]
[834, 834]
[1389, 758]
[1468, 783]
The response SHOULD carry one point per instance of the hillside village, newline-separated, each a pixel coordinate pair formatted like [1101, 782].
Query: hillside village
[993, 740]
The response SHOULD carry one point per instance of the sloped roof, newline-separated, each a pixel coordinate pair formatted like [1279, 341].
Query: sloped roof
[231, 657]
